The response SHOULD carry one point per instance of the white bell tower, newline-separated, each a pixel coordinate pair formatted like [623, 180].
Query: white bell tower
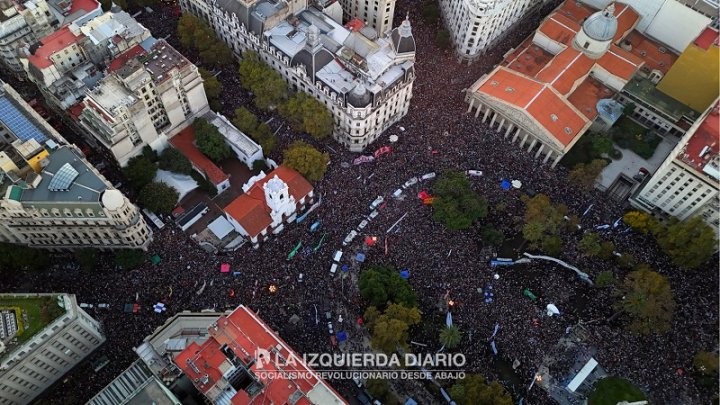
[278, 198]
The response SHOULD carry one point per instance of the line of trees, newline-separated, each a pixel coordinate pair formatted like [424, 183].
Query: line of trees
[194, 34]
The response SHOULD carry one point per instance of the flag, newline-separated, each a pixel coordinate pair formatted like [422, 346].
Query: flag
[497, 328]
[386, 246]
[362, 159]
[382, 151]
[494, 349]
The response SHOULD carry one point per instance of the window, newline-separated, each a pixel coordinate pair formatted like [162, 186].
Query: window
[587, 44]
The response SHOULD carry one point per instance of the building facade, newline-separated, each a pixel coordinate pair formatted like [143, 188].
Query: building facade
[151, 92]
[687, 182]
[365, 81]
[28, 369]
[476, 25]
[21, 24]
[376, 14]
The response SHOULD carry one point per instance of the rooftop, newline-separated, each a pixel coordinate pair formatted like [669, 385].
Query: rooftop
[40, 312]
[122, 59]
[237, 138]
[51, 44]
[161, 59]
[112, 25]
[707, 38]
[651, 52]
[185, 143]
[702, 149]
[134, 386]
[18, 121]
[228, 361]
[646, 91]
[110, 94]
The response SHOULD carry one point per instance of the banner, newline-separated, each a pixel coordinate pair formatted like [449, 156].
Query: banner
[382, 151]
[362, 159]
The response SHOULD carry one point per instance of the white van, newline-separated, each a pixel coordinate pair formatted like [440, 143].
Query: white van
[338, 256]
[475, 173]
[106, 306]
[397, 193]
[333, 268]
[349, 238]
[428, 176]
[410, 182]
[373, 215]
[376, 203]
[84, 305]
[362, 224]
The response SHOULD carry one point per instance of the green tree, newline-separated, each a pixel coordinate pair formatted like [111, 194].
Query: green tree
[629, 108]
[140, 171]
[210, 141]
[607, 249]
[605, 279]
[551, 245]
[21, 258]
[442, 39]
[626, 261]
[121, 3]
[264, 136]
[647, 301]
[390, 330]
[590, 244]
[213, 89]
[543, 223]
[188, 25]
[492, 236]
[450, 336]
[602, 144]
[378, 387]
[150, 153]
[430, 11]
[245, 121]
[456, 204]
[307, 160]
[86, 258]
[129, 259]
[706, 363]
[193, 33]
[307, 114]
[106, 4]
[475, 390]
[641, 221]
[690, 243]
[584, 175]
[268, 87]
[173, 160]
[158, 197]
[380, 284]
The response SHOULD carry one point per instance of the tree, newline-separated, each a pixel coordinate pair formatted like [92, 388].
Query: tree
[605, 278]
[245, 121]
[629, 108]
[456, 204]
[492, 236]
[543, 223]
[626, 261]
[474, 390]
[187, 26]
[193, 33]
[641, 221]
[140, 171]
[614, 390]
[264, 136]
[150, 153]
[602, 144]
[380, 284]
[450, 336]
[442, 39]
[390, 330]
[690, 243]
[590, 244]
[647, 301]
[210, 141]
[172, 160]
[267, 85]
[21, 258]
[584, 175]
[158, 197]
[430, 11]
[106, 4]
[213, 88]
[86, 258]
[307, 114]
[607, 249]
[378, 387]
[706, 363]
[129, 259]
[307, 160]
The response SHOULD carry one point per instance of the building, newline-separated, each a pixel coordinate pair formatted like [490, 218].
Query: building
[476, 25]
[364, 81]
[135, 386]
[226, 368]
[693, 79]
[269, 201]
[22, 23]
[185, 143]
[376, 14]
[549, 90]
[246, 150]
[687, 183]
[151, 93]
[38, 357]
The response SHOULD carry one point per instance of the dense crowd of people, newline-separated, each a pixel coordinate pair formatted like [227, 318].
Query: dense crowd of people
[443, 264]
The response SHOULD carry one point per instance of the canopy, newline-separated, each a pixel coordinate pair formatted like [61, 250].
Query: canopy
[224, 268]
[342, 336]
[220, 227]
[505, 185]
[552, 310]
[393, 138]
[405, 274]
[360, 257]
[159, 307]
[344, 268]
[516, 183]
[156, 259]
[314, 227]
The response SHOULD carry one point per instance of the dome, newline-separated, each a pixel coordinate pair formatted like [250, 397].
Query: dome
[402, 37]
[112, 199]
[359, 97]
[601, 26]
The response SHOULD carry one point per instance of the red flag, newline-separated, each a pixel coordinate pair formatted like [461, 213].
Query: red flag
[232, 293]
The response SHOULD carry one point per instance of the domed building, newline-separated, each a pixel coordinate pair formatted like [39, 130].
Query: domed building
[597, 33]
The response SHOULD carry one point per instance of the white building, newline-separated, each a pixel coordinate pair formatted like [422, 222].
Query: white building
[365, 83]
[376, 14]
[687, 183]
[269, 201]
[151, 93]
[246, 150]
[22, 24]
[27, 369]
[476, 25]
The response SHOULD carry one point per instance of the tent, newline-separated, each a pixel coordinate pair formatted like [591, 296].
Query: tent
[552, 310]
[224, 268]
[344, 268]
[516, 183]
[156, 259]
[505, 185]
[220, 227]
[342, 336]
[159, 307]
[360, 257]
[405, 274]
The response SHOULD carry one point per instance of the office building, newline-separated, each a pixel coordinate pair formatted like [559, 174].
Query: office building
[34, 358]
[364, 80]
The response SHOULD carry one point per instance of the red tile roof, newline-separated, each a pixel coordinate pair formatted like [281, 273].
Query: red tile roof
[707, 38]
[75, 110]
[586, 96]
[250, 209]
[244, 334]
[185, 143]
[562, 24]
[627, 19]
[83, 5]
[705, 139]
[511, 87]
[559, 28]
[565, 70]
[651, 52]
[51, 44]
[527, 58]
[124, 57]
[620, 62]
[355, 24]
[557, 116]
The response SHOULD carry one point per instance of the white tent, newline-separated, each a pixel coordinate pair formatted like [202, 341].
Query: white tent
[180, 182]
[220, 227]
[552, 310]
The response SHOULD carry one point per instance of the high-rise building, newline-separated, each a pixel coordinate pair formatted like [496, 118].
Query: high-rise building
[376, 14]
[47, 335]
[476, 25]
[228, 367]
[687, 182]
[365, 81]
[151, 92]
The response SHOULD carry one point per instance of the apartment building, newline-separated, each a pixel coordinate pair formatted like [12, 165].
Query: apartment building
[22, 23]
[376, 14]
[687, 182]
[476, 25]
[150, 93]
[31, 364]
[364, 80]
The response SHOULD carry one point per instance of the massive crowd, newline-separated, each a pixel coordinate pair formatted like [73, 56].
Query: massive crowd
[442, 263]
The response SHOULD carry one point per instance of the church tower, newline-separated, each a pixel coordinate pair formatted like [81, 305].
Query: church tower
[278, 198]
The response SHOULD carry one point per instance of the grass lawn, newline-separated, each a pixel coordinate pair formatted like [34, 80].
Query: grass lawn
[38, 317]
[630, 135]
[612, 390]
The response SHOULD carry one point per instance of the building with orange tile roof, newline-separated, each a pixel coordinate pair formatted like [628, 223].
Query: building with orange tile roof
[687, 182]
[545, 94]
[237, 363]
[184, 141]
[269, 201]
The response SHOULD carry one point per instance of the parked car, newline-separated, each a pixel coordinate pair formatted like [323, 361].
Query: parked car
[333, 268]
[337, 256]
[376, 203]
[105, 306]
[411, 182]
[428, 176]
